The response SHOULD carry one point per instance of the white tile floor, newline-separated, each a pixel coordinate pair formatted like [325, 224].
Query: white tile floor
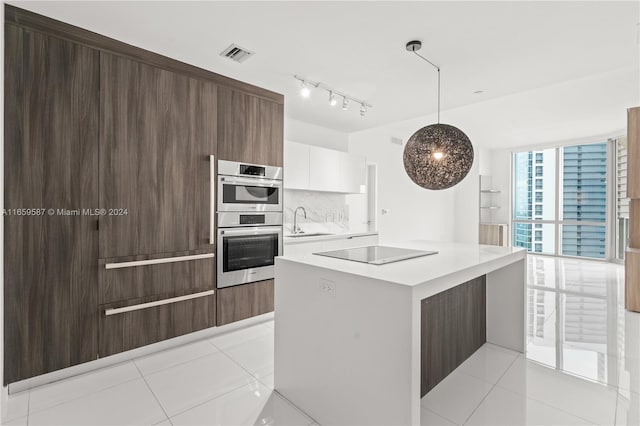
[227, 380]
[582, 367]
[582, 364]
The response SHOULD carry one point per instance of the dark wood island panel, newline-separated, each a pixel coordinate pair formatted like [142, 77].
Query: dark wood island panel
[453, 327]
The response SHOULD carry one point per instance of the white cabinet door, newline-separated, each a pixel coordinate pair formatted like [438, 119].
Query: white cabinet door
[321, 169]
[324, 170]
[352, 172]
[296, 165]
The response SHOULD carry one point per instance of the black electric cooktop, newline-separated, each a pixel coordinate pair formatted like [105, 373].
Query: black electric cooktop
[376, 255]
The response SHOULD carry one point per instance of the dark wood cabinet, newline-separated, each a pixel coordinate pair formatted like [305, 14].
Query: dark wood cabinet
[250, 128]
[244, 301]
[51, 162]
[93, 123]
[157, 132]
[454, 326]
[121, 331]
[162, 279]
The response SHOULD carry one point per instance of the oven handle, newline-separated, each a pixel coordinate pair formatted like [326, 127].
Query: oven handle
[254, 182]
[249, 231]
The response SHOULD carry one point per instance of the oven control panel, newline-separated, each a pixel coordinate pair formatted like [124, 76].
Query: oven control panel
[252, 219]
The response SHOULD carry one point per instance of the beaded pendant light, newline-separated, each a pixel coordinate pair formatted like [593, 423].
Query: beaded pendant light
[437, 156]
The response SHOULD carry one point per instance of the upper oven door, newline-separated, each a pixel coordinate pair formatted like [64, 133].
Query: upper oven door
[237, 194]
[247, 254]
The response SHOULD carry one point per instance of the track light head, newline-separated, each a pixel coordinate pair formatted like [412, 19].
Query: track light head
[305, 92]
[363, 109]
[345, 104]
[332, 99]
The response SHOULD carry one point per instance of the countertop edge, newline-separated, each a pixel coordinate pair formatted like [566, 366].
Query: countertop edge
[301, 240]
[486, 266]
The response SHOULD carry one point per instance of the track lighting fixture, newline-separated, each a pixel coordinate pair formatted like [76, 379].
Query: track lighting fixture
[305, 92]
[307, 85]
[332, 99]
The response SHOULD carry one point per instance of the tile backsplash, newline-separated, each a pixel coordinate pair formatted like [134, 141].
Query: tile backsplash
[326, 211]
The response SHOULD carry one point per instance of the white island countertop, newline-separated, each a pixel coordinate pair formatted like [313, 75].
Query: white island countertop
[451, 258]
[343, 327]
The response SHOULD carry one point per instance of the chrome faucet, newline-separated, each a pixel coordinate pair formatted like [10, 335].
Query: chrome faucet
[296, 227]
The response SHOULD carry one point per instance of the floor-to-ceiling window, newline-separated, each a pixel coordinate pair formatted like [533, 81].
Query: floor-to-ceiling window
[560, 200]
[622, 202]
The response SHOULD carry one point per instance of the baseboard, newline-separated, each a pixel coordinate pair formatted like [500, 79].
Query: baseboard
[87, 367]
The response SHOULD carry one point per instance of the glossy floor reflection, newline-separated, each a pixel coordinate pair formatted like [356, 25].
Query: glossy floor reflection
[582, 364]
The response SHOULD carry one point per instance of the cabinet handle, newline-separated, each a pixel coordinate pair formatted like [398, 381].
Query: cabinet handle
[251, 231]
[158, 261]
[137, 307]
[212, 196]
[271, 183]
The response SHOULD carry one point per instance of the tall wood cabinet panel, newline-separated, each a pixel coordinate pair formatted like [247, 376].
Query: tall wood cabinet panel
[633, 153]
[453, 327]
[158, 130]
[51, 162]
[632, 256]
[250, 129]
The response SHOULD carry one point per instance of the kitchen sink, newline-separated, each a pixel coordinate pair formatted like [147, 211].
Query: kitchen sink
[309, 234]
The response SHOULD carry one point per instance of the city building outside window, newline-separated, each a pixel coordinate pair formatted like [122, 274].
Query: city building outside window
[575, 179]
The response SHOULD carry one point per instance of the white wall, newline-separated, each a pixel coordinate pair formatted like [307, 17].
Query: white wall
[501, 180]
[311, 134]
[414, 212]
[574, 110]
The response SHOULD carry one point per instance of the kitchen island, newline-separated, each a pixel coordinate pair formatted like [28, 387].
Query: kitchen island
[357, 343]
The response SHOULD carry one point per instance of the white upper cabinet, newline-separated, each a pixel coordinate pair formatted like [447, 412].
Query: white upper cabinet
[324, 170]
[296, 165]
[321, 169]
[353, 170]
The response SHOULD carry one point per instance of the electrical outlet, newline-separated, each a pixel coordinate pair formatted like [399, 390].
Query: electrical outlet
[327, 287]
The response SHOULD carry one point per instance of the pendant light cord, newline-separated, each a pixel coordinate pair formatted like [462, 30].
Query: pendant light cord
[437, 68]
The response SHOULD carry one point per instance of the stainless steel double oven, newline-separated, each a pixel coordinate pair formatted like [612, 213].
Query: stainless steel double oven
[249, 222]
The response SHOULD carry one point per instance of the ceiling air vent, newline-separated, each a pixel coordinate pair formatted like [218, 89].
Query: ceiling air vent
[236, 53]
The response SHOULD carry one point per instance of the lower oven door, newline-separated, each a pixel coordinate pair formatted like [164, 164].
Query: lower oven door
[247, 254]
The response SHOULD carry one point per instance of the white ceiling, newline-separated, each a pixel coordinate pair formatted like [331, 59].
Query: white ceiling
[501, 48]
